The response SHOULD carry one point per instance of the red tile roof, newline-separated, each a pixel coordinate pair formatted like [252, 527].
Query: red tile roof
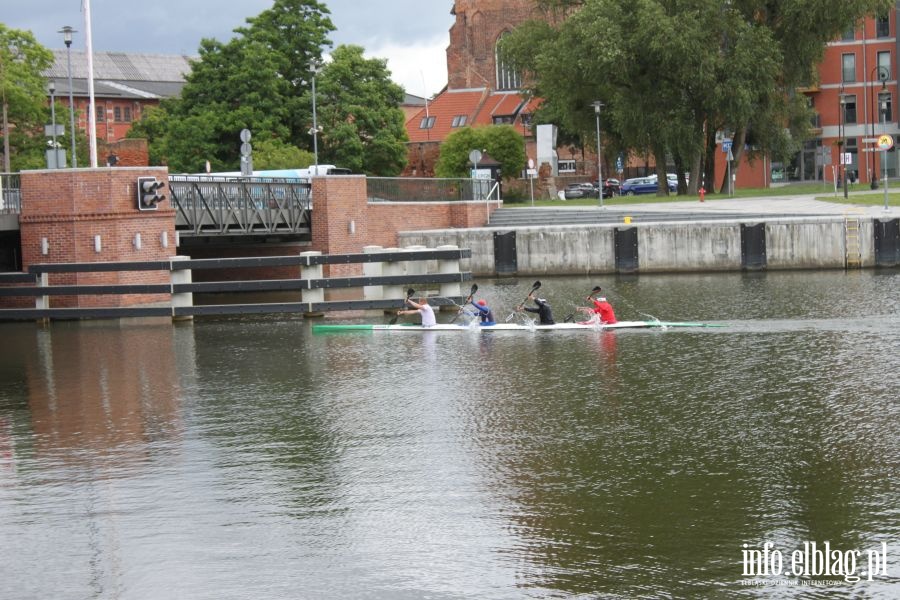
[478, 106]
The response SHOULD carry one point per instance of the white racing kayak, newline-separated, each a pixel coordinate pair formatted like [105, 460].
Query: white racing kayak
[324, 328]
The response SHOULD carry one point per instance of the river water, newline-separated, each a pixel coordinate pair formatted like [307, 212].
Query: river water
[248, 458]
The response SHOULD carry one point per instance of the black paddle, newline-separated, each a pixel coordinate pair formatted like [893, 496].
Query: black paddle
[534, 288]
[469, 299]
[409, 294]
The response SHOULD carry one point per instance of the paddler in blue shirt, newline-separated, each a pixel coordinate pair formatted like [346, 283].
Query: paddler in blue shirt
[484, 311]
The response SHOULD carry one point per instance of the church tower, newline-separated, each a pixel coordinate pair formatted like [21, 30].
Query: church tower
[472, 55]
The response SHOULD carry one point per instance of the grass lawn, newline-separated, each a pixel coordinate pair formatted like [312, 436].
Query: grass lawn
[862, 195]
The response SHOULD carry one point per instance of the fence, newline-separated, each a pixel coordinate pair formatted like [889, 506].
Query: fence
[387, 274]
[417, 189]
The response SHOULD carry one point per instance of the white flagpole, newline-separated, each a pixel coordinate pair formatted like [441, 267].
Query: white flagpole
[92, 111]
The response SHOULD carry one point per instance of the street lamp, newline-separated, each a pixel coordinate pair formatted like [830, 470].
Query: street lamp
[883, 75]
[597, 106]
[884, 97]
[52, 89]
[315, 67]
[67, 32]
[843, 143]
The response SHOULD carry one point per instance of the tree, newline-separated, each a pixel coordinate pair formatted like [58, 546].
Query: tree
[22, 94]
[256, 81]
[275, 154]
[358, 108]
[673, 72]
[502, 142]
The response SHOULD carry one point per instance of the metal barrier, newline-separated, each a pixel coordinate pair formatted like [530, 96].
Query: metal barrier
[415, 189]
[388, 273]
[216, 205]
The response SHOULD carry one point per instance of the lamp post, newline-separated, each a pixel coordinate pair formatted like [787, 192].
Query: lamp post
[67, 32]
[52, 89]
[843, 143]
[315, 67]
[597, 106]
[883, 99]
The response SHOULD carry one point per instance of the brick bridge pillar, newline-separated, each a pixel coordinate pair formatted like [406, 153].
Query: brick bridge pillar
[91, 215]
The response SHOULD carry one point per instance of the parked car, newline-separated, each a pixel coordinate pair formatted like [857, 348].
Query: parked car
[644, 185]
[579, 190]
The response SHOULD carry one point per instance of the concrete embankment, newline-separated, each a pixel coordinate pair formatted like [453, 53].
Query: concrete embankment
[805, 242]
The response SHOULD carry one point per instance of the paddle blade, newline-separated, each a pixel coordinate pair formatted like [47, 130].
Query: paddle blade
[596, 289]
[474, 289]
[409, 293]
[393, 321]
[535, 286]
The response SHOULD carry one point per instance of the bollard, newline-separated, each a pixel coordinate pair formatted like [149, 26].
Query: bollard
[702, 193]
[628, 220]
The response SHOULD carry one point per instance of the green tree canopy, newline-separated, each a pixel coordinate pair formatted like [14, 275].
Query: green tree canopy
[262, 81]
[23, 96]
[502, 142]
[672, 73]
[359, 112]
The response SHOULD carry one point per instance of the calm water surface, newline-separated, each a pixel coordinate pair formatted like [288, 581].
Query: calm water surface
[248, 458]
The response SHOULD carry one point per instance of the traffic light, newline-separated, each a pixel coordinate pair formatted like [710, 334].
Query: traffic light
[148, 196]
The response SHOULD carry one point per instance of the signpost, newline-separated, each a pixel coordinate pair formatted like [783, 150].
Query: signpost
[531, 174]
[885, 143]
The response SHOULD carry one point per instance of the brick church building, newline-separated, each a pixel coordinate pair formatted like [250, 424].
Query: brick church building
[480, 90]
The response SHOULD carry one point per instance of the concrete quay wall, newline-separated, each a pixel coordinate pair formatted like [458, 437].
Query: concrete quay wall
[820, 242]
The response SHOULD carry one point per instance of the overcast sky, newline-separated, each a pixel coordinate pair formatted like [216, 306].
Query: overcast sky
[412, 34]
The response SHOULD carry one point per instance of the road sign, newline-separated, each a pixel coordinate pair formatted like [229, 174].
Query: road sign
[885, 142]
[846, 158]
[726, 145]
[245, 135]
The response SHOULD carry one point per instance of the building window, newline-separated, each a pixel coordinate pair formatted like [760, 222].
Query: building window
[503, 119]
[507, 77]
[849, 35]
[101, 114]
[117, 114]
[127, 115]
[848, 71]
[427, 123]
[883, 27]
[884, 66]
[849, 109]
[566, 166]
[458, 121]
[526, 119]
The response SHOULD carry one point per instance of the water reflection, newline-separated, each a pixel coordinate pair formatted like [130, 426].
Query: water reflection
[245, 457]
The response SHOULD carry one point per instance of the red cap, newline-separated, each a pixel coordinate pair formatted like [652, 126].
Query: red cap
[482, 303]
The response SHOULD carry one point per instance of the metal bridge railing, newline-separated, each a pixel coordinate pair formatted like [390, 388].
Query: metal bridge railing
[10, 193]
[417, 189]
[216, 205]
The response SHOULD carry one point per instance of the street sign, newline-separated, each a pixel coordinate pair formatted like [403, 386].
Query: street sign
[846, 158]
[885, 142]
[245, 135]
[726, 145]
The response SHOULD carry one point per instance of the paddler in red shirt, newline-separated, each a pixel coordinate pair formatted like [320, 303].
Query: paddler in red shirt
[602, 308]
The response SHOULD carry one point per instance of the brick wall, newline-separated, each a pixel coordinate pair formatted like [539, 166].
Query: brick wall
[69, 207]
[474, 35]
